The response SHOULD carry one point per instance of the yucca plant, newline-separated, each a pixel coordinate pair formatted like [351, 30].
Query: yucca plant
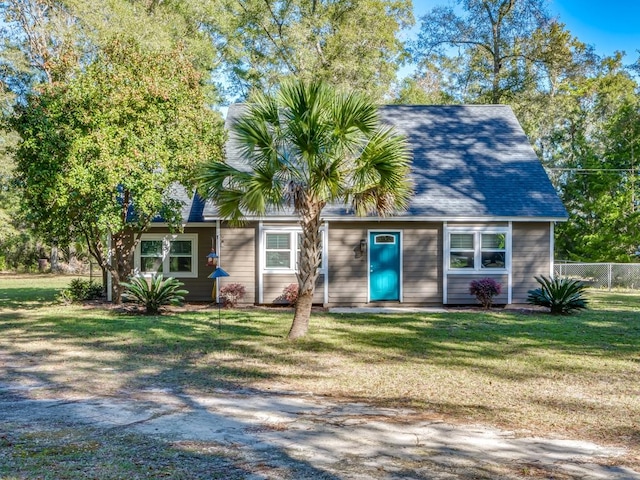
[154, 293]
[561, 295]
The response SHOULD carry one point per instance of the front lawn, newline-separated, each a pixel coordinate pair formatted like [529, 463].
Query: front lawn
[575, 376]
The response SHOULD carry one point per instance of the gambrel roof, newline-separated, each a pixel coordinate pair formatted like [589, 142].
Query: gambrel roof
[470, 162]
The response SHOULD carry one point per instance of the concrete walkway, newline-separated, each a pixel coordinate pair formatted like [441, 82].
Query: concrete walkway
[326, 439]
[374, 310]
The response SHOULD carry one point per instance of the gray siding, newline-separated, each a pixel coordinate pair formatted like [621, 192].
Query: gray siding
[273, 284]
[530, 257]
[458, 288]
[347, 270]
[199, 288]
[238, 258]
[422, 262]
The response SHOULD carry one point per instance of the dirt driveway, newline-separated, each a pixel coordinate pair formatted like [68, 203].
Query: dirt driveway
[285, 435]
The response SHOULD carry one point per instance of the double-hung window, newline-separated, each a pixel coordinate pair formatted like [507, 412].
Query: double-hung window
[278, 251]
[477, 250]
[282, 250]
[171, 255]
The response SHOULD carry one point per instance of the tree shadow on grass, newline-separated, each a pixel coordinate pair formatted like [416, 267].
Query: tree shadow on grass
[489, 335]
[27, 298]
[66, 440]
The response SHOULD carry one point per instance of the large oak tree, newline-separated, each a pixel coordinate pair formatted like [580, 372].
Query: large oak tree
[100, 151]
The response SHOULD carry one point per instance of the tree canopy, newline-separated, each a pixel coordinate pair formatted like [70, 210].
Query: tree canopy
[354, 44]
[99, 152]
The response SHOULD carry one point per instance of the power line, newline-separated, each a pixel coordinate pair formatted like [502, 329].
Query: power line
[591, 170]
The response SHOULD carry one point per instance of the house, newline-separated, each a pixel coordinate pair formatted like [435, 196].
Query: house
[483, 206]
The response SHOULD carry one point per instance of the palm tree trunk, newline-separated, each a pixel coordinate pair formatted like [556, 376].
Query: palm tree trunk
[308, 263]
[300, 324]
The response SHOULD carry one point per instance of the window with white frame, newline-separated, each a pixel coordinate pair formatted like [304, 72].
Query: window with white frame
[278, 251]
[282, 250]
[479, 250]
[171, 255]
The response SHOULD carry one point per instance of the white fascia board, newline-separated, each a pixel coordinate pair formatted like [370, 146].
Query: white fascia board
[445, 219]
[206, 224]
[439, 218]
[289, 219]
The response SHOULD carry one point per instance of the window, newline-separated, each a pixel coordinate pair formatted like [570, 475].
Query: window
[171, 255]
[150, 255]
[282, 250]
[477, 250]
[380, 239]
[494, 249]
[278, 250]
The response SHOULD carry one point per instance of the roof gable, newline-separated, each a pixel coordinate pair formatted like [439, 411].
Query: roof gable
[469, 161]
[473, 160]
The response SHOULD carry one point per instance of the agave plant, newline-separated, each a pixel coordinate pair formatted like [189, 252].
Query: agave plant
[154, 293]
[562, 295]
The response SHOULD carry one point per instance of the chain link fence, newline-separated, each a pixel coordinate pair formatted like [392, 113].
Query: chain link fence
[602, 275]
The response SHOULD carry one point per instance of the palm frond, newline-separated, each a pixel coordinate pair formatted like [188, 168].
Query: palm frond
[380, 180]
[310, 143]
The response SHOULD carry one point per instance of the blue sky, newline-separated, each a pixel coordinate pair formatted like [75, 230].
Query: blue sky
[607, 25]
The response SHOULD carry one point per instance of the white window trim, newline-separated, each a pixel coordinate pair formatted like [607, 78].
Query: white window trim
[477, 245]
[293, 232]
[166, 238]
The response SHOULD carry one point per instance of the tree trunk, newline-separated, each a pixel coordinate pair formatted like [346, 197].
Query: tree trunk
[308, 263]
[123, 247]
[300, 324]
[55, 264]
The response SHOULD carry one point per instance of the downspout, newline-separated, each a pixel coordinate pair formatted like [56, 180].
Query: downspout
[260, 264]
[218, 244]
[325, 253]
[445, 262]
[509, 248]
[552, 249]
[109, 278]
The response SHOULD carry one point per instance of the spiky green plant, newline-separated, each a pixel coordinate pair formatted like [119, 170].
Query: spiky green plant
[561, 295]
[154, 293]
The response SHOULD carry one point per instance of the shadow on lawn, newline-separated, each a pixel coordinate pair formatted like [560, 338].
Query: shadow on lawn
[68, 440]
[26, 298]
[494, 335]
[186, 349]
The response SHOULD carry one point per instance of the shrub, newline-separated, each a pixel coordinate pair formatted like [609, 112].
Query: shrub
[155, 293]
[561, 295]
[231, 294]
[484, 290]
[80, 290]
[290, 293]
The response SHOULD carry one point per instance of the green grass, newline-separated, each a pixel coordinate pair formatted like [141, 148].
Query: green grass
[576, 376]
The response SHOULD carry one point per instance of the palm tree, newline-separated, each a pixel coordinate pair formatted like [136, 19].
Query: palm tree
[306, 146]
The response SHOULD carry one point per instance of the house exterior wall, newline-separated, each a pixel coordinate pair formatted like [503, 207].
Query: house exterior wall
[273, 284]
[421, 265]
[238, 258]
[199, 288]
[531, 257]
[458, 288]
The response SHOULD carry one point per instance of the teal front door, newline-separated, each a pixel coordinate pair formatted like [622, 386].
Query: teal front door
[384, 266]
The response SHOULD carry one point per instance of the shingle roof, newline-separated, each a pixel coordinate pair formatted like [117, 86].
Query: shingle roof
[469, 161]
[473, 160]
